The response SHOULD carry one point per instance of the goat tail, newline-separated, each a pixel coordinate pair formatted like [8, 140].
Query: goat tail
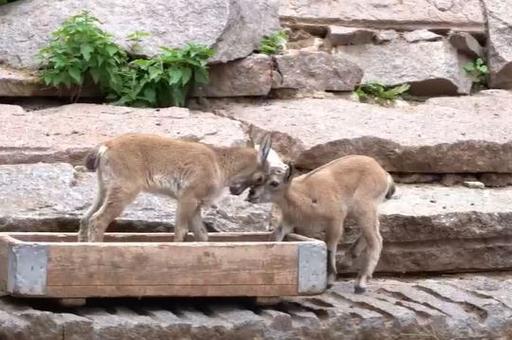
[391, 187]
[92, 161]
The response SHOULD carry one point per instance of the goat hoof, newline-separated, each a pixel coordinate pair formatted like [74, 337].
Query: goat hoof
[359, 290]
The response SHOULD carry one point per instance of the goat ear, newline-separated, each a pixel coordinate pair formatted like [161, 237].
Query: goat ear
[289, 172]
[265, 146]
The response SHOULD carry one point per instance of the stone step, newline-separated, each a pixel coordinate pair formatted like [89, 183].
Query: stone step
[442, 135]
[438, 308]
[66, 133]
[53, 197]
[403, 15]
[425, 227]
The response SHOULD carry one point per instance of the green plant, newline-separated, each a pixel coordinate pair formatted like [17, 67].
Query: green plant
[81, 51]
[380, 93]
[478, 71]
[135, 38]
[3, 2]
[274, 43]
[163, 80]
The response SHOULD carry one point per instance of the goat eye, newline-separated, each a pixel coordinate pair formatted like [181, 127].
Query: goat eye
[274, 184]
[259, 180]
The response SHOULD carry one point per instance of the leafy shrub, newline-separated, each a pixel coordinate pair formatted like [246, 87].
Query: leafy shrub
[166, 79]
[135, 38]
[380, 93]
[81, 52]
[478, 71]
[274, 43]
[3, 2]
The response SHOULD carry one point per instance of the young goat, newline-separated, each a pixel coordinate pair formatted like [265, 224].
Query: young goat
[193, 173]
[323, 198]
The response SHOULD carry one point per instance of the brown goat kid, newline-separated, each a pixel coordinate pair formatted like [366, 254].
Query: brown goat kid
[321, 200]
[193, 173]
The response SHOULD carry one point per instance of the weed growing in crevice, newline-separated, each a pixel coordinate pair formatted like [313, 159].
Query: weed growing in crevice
[381, 94]
[274, 43]
[81, 53]
[479, 73]
[165, 79]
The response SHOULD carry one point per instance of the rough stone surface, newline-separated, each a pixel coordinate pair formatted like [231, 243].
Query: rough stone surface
[17, 83]
[319, 71]
[416, 178]
[467, 44]
[251, 76]
[432, 68]
[469, 307]
[434, 228]
[342, 35]
[385, 36]
[411, 139]
[496, 180]
[451, 180]
[499, 18]
[233, 28]
[421, 35]
[53, 197]
[66, 133]
[474, 184]
[405, 15]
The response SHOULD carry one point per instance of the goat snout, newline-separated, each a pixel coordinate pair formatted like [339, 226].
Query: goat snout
[251, 197]
[237, 189]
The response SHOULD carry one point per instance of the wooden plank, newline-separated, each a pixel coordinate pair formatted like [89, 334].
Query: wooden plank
[143, 237]
[150, 264]
[196, 264]
[170, 290]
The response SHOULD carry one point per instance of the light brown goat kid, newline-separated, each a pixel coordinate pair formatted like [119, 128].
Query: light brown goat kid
[322, 199]
[193, 173]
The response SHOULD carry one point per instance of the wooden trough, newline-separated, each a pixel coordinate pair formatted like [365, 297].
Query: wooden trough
[54, 265]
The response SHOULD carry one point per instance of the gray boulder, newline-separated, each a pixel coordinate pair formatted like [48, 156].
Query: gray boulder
[233, 27]
[319, 71]
[432, 68]
[499, 16]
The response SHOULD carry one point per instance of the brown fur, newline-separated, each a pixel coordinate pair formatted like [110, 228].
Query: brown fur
[193, 173]
[321, 200]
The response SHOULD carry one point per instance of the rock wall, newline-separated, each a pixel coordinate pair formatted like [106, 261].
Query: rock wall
[334, 46]
[233, 28]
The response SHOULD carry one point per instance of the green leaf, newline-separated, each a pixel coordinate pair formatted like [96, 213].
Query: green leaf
[201, 76]
[86, 51]
[75, 74]
[112, 50]
[154, 72]
[150, 95]
[469, 67]
[175, 75]
[186, 75]
[95, 75]
[398, 90]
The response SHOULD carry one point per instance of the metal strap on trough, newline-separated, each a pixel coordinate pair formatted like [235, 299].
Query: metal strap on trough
[27, 269]
[312, 268]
